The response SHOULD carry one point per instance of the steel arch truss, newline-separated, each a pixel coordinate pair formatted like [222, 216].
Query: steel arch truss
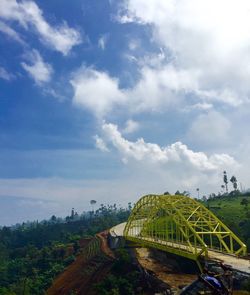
[180, 225]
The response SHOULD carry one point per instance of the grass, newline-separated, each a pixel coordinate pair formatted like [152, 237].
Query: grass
[229, 209]
[233, 214]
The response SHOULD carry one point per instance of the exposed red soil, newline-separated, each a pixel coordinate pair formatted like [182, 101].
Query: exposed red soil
[81, 275]
[163, 272]
[104, 244]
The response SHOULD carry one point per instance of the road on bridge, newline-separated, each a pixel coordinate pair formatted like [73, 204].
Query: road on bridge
[237, 263]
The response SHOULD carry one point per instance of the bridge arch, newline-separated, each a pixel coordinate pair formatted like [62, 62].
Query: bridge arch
[180, 225]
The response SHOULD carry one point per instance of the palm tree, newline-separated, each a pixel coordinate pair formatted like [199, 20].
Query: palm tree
[198, 192]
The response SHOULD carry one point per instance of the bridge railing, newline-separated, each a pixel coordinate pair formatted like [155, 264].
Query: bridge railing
[180, 225]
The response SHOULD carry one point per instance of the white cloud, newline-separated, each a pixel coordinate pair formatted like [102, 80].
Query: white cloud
[175, 154]
[61, 38]
[210, 129]
[5, 75]
[96, 91]
[134, 44]
[7, 30]
[209, 38]
[100, 144]
[102, 42]
[130, 126]
[202, 106]
[159, 88]
[40, 71]
[54, 93]
[156, 90]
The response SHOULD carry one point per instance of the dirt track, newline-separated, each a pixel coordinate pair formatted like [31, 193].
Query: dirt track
[104, 244]
[81, 275]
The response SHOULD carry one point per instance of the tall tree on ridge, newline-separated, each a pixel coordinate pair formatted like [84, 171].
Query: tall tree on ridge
[198, 192]
[225, 180]
[92, 203]
[234, 182]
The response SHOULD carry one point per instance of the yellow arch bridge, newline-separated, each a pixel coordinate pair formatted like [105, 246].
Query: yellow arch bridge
[180, 225]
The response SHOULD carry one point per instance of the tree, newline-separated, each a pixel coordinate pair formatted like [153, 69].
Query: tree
[198, 192]
[225, 180]
[244, 202]
[204, 199]
[92, 203]
[53, 218]
[129, 206]
[234, 182]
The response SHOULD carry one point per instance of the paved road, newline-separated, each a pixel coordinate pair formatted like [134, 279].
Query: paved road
[237, 263]
[117, 231]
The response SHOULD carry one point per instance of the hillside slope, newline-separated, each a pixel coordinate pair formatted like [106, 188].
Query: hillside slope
[234, 211]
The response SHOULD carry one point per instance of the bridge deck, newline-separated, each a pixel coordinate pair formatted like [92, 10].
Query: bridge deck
[237, 263]
[117, 231]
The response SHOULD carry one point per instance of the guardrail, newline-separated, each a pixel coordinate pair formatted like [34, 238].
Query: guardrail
[92, 249]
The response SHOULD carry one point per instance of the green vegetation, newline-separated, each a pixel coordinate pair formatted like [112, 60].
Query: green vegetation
[123, 279]
[32, 254]
[234, 211]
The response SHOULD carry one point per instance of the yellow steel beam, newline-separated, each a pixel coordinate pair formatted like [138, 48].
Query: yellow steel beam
[185, 227]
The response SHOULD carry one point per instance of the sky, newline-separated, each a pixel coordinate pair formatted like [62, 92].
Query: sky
[114, 99]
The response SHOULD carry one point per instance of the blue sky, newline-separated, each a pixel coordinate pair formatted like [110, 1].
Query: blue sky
[110, 100]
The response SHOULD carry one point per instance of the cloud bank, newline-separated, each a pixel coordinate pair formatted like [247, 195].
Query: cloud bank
[208, 38]
[204, 56]
[176, 153]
